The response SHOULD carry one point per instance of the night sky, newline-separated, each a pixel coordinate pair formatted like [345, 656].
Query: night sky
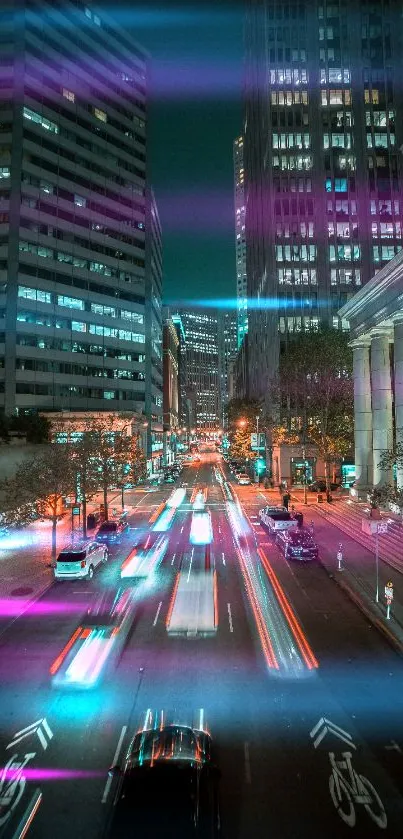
[196, 112]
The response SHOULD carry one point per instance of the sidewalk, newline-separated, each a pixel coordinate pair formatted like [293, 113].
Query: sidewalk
[25, 569]
[340, 522]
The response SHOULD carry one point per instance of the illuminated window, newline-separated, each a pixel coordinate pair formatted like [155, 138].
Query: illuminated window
[68, 94]
[4, 172]
[100, 115]
[34, 294]
[80, 201]
[33, 116]
[78, 326]
[70, 302]
[371, 96]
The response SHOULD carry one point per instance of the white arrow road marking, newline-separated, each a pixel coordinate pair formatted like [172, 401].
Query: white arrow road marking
[394, 747]
[114, 762]
[324, 726]
[38, 727]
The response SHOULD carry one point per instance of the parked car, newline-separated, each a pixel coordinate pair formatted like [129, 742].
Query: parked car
[320, 486]
[243, 479]
[297, 543]
[79, 560]
[168, 786]
[277, 518]
[112, 530]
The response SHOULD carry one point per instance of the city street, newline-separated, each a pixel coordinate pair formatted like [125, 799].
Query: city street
[294, 678]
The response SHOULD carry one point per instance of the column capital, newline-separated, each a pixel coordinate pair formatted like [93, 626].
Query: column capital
[360, 343]
[397, 319]
[382, 332]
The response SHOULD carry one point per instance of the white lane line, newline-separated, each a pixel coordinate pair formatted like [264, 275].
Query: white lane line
[182, 528]
[115, 758]
[173, 559]
[231, 628]
[223, 558]
[248, 777]
[157, 613]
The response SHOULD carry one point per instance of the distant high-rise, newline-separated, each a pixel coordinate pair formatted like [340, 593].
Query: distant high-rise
[201, 328]
[240, 245]
[323, 130]
[227, 349]
[80, 250]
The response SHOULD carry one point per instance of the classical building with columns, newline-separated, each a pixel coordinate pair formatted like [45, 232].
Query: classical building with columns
[375, 315]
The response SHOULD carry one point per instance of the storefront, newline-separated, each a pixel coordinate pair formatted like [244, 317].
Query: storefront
[302, 471]
[347, 474]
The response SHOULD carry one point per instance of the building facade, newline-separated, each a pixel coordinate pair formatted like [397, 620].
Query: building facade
[171, 397]
[323, 129]
[203, 392]
[80, 244]
[375, 315]
[240, 244]
[227, 350]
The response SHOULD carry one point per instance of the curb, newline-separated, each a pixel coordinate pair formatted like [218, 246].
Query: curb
[27, 605]
[392, 640]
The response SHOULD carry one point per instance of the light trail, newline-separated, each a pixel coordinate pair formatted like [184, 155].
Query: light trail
[114, 762]
[296, 629]
[260, 623]
[156, 513]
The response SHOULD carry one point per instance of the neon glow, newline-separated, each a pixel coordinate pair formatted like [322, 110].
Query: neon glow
[90, 659]
[165, 520]
[175, 500]
[296, 629]
[201, 531]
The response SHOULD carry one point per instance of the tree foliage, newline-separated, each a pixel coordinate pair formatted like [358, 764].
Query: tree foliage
[314, 394]
[242, 415]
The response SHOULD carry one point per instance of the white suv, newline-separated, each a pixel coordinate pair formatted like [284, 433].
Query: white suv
[79, 560]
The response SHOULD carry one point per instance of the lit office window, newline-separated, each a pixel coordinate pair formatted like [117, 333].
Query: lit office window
[68, 94]
[33, 116]
[100, 115]
[70, 302]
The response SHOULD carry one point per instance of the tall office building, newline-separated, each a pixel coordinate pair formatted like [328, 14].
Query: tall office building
[80, 242]
[323, 130]
[227, 350]
[201, 328]
[240, 244]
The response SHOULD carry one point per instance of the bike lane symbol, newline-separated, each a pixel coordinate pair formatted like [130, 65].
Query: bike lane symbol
[347, 787]
[12, 784]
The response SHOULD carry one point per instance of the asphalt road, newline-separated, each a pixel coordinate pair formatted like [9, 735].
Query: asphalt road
[276, 775]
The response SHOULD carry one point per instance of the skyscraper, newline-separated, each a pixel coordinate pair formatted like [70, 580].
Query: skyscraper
[227, 349]
[240, 245]
[323, 129]
[201, 328]
[80, 249]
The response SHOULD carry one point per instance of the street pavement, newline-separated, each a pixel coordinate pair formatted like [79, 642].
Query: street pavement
[281, 720]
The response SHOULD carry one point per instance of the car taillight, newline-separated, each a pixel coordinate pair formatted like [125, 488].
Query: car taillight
[83, 563]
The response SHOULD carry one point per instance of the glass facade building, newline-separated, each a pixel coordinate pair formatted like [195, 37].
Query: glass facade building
[80, 242]
[240, 244]
[323, 129]
[201, 328]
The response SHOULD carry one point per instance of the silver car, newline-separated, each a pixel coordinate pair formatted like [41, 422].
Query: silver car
[79, 560]
[277, 518]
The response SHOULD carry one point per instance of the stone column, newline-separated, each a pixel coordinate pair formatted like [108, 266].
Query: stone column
[382, 421]
[398, 365]
[362, 414]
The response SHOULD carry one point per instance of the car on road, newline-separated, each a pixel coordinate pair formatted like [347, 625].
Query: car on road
[145, 557]
[167, 787]
[277, 518]
[79, 560]
[112, 530]
[320, 486]
[243, 479]
[297, 543]
[96, 645]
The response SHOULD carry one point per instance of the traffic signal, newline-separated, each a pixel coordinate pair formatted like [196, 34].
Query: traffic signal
[260, 465]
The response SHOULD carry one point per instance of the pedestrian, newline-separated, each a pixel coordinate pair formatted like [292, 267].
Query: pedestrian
[286, 500]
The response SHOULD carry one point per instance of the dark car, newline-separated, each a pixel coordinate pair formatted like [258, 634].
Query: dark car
[298, 543]
[168, 787]
[112, 530]
[320, 486]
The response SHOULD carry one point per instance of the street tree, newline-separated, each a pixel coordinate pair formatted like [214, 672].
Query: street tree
[314, 394]
[241, 416]
[38, 489]
[108, 440]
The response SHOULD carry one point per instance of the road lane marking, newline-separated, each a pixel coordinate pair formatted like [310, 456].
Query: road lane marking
[182, 528]
[223, 558]
[173, 559]
[248, 777]
[115, 758]
[157, 613]
[231, 628]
